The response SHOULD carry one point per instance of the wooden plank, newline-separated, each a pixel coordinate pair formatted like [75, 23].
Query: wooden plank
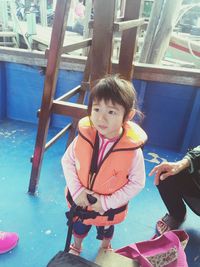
[128, 41]
[125, 25]
[102, 38]
[58, 32]
[157, 73]
[37, 58]
[43, 34]
[73, 46]
[85, 85]
[69, 109]
[142, 71]
[91, 22]
[81, 44]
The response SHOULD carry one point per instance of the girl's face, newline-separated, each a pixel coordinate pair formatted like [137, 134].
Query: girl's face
[107, 118]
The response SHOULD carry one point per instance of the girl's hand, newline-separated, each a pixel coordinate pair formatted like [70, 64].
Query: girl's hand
[82, 200]
[97, 205]
[165, 169]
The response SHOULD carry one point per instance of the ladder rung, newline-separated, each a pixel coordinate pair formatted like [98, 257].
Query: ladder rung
[69, 94]
[57, 136]
[120, 21]
[69, 109]
[78, 45]
[125, 25]
[72, 47]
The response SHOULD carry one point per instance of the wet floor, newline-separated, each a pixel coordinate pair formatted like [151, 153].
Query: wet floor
[40, 220]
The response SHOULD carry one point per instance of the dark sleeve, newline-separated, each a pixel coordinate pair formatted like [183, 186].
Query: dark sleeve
[194, 155]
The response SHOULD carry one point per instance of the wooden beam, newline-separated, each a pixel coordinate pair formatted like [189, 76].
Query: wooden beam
[91, 22]
[78, 45]
[142, 71]
[72, 47]
[128, 40]
[38, 58]
[57, 38]
[157, 73]
[102, 38]
[125, 25]
[69, 109]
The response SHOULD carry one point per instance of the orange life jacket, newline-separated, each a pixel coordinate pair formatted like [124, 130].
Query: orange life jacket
[112, 174]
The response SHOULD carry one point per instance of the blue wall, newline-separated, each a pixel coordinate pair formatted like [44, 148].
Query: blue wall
[24, 87]
[172, 112]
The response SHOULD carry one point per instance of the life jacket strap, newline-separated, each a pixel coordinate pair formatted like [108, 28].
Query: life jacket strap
[84, 214]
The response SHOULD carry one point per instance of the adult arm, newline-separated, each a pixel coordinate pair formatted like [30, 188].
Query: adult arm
[166, 169]
[193, 156]
[191, 160]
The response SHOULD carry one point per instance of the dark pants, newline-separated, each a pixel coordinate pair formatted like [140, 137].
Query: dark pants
[176, 188]
[80, 230]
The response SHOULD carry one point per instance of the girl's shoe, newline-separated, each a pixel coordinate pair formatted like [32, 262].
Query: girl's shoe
[74, 250]
[107, 248]
[7, 241]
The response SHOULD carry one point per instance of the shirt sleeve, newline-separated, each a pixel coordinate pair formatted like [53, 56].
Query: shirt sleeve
[193, 156]
[69, 169]
[136, 182]
[191, 167]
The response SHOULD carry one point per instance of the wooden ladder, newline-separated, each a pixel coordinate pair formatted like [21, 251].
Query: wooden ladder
[97, 65]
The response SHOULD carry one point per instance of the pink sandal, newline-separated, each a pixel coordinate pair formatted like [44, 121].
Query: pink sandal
[167, 223]
[74, 250]
[7, 241]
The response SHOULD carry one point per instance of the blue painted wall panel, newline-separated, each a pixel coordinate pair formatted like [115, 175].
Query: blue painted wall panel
[196, 134]
[195, 121]
[172, 112]
[167, 108]
[24, 91]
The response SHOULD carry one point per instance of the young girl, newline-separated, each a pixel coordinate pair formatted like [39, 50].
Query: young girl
[105, 160]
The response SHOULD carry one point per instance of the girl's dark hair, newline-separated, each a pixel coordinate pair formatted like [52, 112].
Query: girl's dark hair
[116, 89]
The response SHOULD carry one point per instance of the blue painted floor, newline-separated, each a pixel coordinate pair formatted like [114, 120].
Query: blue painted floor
[40, 220]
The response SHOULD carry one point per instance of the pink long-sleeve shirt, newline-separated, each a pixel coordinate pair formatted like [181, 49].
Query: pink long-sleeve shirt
[136, 178]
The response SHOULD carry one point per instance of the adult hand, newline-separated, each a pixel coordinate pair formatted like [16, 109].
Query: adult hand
[82, 200]
[165, 169]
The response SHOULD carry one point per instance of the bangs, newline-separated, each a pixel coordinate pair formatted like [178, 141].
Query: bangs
[113, 89]
[106, 94]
